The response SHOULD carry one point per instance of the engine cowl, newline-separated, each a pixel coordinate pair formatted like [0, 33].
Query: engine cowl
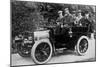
[41, 34]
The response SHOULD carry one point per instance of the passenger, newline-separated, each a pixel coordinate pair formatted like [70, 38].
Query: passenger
[74, 19]
[73, 14]
[91, 24]
[92, 20]
[67, 20]
[66, 11]
[87, 15]
[84, 21]
[60, 18]
[79, 16]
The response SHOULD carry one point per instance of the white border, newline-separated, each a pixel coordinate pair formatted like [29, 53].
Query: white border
[89, 2]
[5, 32]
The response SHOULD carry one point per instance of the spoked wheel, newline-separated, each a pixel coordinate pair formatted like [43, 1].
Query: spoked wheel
[41, 51]
[23, 51]
[82, 45]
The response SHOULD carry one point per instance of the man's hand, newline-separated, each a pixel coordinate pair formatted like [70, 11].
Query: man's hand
[62, 26]
[58, 23]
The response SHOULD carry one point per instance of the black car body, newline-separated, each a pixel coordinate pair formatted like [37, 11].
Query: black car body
[41, 43]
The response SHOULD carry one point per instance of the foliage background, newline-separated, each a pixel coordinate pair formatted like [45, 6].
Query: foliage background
[28, 16]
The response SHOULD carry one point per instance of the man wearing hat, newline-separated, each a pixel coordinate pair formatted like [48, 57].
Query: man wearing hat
[60, 18]
[59, 22]
[84, 21]
[79, 16]
[90, 22]
[67, 18]
[66, 11]
[74, 18]
[67, 21]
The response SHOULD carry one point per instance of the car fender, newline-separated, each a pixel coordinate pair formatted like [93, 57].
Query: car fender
[42, 40]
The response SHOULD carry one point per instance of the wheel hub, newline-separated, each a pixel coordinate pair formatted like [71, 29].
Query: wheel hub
[83, 46]
[42, 52]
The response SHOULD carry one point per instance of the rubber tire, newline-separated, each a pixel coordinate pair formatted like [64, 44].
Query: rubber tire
[22, 55]
[77, 46]
[34, 47]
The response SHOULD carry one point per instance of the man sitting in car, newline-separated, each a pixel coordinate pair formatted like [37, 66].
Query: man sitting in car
[67, 20]
[74, 17]
[59, 22]
[84, 21]
[79, 16]
[60, 18]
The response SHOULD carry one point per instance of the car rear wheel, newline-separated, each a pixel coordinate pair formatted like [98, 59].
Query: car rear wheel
[22, 50]
[82, 45]
[41, 51]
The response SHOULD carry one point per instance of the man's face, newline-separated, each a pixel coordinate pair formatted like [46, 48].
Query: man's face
[66, 11]
[79, 14]
[60, 14]
[73, 15]
[87, 15]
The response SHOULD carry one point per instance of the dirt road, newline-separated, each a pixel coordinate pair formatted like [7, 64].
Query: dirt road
[66, 56]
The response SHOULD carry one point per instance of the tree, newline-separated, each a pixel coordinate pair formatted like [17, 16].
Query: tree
[25, 16]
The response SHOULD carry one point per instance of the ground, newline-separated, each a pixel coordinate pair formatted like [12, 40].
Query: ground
[62, 56]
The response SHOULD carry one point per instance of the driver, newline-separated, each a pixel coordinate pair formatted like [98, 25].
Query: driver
[60, 18]
[59, 22]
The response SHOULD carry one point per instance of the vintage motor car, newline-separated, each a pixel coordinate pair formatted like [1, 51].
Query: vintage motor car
[41, 44]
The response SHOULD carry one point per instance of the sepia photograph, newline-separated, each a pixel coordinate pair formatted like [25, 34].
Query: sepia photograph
[45, 33]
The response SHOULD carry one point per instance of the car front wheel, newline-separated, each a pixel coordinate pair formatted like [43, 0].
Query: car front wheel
[41, 51]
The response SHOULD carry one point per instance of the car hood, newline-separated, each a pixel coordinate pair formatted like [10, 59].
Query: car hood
[41, 33]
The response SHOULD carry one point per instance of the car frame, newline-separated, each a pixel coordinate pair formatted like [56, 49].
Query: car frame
[41, 44]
